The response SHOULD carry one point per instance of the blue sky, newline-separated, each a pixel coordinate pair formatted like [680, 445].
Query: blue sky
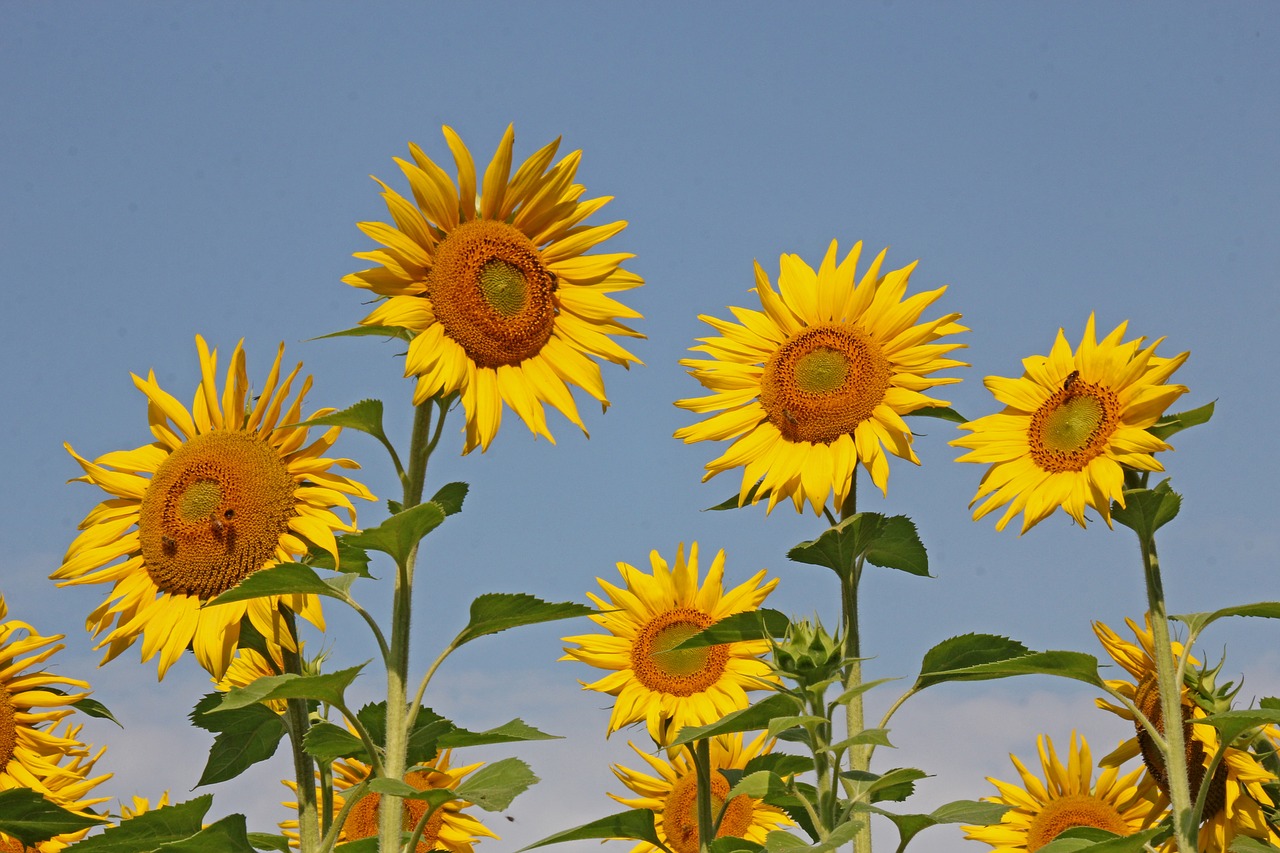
[172, 169]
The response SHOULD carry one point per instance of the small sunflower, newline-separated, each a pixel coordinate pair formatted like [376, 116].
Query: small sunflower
[223, 491]
[65, 782]
[819, 380]
[1041, 810]
[1071, 424]
[247, 666]
[141, 805]
[448, 828]
[1235, 801]
[503, 302]
[652, 614]
[673, 795]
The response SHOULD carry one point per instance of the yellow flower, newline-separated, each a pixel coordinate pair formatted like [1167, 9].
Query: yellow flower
[223, 491]
[504, 305]
[652, 614]
[819, 380]
[63, 778]
[1066, 798]
[247, 667]
[1071, 424]
[1235, 799]
[141, 805]
[673, 795]
[448, 828]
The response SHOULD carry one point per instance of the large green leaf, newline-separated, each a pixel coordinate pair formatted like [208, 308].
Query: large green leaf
[1198, 621]
[248, 735]
[225, 836]
[266, 841]
[495, 785]
[762, 624]
[1100, 841]
[1147, 510]
[1077, 666]
[1245, 844]
[327, 743]
[146, 832]
[30, 818]
[734, 844]
[955, 654]
[94, 708]
[891, 542]
[510, 732]
[365, 416]
[498, 611]
[633, 823]
[328, 687]
[960, 811]
[1232, 724]
[352, 559]
[1170, 424]
[285, 579]
[424, 737]
[895, 785]
[399, 534]
[748, 719]
[450, 497]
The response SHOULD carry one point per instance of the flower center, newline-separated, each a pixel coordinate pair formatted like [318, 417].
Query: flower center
[1147, 699]
[676, 673]
[8, 728]
[1072, 810]
[11, 845]
[362, 820]
[823, 382]
[213, 513]
[492, 293]
[1072, 427]
[680, 812]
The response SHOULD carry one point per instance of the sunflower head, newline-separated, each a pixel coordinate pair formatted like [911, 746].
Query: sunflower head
[1072, 424]
[808, 655]
[503, 301]
[818, 380]
[646, 619]
[227, 488]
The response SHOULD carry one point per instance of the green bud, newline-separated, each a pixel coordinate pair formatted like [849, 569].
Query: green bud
[808, 655]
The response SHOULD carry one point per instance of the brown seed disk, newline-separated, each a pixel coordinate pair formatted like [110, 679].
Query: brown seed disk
[1147, 700]
[681, 673]
[680, 812]
[8, 728]
[214, 513]
[492, 292]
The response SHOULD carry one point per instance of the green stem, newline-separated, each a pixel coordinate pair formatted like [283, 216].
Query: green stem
[304, 768]
[859, 754]
[702, 767]
[1175, 760]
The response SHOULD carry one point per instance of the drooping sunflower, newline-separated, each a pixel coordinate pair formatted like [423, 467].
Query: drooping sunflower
[651, 614]
[1235, 801]
[448, 828]
[503, 302]
[673, 795]
[225, 490]
[65, 782]
[1066, 798]
[819, 380]
[1071, 424]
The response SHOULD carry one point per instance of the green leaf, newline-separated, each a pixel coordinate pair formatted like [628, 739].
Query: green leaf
[1169, 424]
[942, 412]
[283, 579]
[1077, 666]
[761, 624]
[782, 763]
[146, 832]
[450, 497]
[225, 836]
[1198, 621]
[889, 542]
[859, 689]
[428, 728]
[498, 611]
[327, 743]
[328, 688]
[731, 502]
[780, 841]
[370, 331]
[957, 653]
[399, 534]
[251, 734]
[94, 708]
[495, 785]
[960, 811]
[1099, 841]
[635, 824]
[1147, 510]
[1245, 844]
[895, 785]
[879, 737]
[734, 844]
[265, 841]
[511, 732]
[365, 416]
[366, 845]
[751, 718]
[1232, 724]
[792, 721]
[30, 818]
[759, 785]
[352, 559]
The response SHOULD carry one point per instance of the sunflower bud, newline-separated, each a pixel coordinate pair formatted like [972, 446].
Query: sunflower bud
[808, 655]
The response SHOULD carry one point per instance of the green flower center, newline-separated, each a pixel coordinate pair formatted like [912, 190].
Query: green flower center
[199, 500]
[681, 673]
[1074, 426]
[503, 287]
[821, 371]
[684, 662]
[1069, 426]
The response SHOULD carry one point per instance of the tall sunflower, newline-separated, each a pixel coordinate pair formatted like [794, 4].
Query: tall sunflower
[448, 828]
[673, 795]
[1071, 424]
[819, 380]
[1235, 801]
[225, 490]
[650, 615]
[1066, 798]
[503, 302]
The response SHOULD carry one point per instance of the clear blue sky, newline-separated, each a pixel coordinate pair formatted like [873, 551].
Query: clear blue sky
[174, 169]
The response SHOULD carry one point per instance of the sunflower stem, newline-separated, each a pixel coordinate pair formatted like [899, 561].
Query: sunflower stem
[297, 721]
[702, 767]
[1175, 751]
[859, 755]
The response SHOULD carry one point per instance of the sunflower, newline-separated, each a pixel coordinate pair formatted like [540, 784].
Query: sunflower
[222, 492]
[65, 781]
[819, 380]
[1235, 801]
[1071, 424]
[142, 805]
[448, 828]
[247, 666]
[1067, 798]
[652, 614]
[502, 301]
[673, 795]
